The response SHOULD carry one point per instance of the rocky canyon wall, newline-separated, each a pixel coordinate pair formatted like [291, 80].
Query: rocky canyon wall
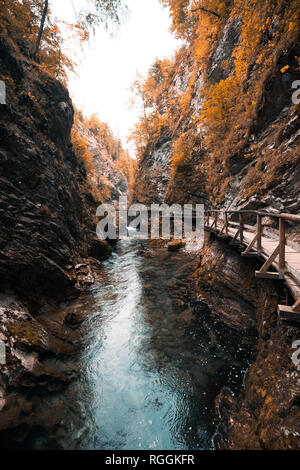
[47, 216]
[259, 167]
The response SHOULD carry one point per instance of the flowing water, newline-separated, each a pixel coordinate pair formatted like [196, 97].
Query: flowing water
[150, 363]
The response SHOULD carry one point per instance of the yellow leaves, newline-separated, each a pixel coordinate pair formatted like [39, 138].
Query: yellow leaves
[185, 100]
[55, 29]
[218, 108]
[78, 31]
[187, 16]
[228, 108]
[81, 150]
[260, 58]
[32, 97]
[182, 148]
[284, 69]
[21, 21]
[293, 26]
[181, 17]
[250, 107]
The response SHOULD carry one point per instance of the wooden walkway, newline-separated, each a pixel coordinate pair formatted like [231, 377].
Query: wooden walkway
[282, 259]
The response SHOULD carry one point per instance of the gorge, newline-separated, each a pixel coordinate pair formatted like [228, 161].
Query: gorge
[130, 344]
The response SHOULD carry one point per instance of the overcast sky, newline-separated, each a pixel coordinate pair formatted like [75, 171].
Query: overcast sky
[109, 64]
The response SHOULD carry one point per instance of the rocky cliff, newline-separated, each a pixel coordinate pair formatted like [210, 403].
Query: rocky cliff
[255, 163]
[48, 245]
[107, 173]
[47, 215]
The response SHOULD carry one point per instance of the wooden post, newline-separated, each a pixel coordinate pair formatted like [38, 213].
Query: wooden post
[226, 223]
[241, 227]
[282, 241]
[259, 233]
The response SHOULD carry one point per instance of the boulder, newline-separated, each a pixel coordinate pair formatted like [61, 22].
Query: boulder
[99, 249]
[175, 245]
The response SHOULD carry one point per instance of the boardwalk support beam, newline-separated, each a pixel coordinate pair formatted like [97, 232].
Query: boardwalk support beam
[282, 242]
[264, 270]
[250, 246]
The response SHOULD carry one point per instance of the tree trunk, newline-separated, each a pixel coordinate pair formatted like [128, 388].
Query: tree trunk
[42, 25]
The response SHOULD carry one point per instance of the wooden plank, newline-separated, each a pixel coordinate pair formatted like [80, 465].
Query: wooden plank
[259, 232]
[236, 235]
[269, 261]
[291, 217]
[285, 313]
[251, 253]
[241, 227]
[296, 306]
[281, 245]
[250, 246]
[267, 275]
[214, 224]
[223, 228]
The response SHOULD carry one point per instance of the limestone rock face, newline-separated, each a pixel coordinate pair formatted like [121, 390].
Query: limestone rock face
[47, 215]
[104, 164]
[153, 174]
[251, 180]
[42, 212]
[230, 37]
[266, 414]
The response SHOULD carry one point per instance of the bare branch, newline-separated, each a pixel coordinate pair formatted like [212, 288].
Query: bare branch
[206, 11]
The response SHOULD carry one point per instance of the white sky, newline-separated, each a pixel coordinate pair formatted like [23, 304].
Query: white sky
[109, 64]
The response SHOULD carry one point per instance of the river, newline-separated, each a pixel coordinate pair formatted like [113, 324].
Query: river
[150, 362]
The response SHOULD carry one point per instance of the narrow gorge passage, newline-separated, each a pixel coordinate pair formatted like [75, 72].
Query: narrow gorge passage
[148, 370]
[133, 116]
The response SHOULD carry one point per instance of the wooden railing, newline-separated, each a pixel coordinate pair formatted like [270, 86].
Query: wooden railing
[270, 246]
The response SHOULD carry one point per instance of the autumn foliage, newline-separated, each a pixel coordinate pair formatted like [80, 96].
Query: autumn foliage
[111, 148]
[21, 21]
[112, 144]
[220, 127]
